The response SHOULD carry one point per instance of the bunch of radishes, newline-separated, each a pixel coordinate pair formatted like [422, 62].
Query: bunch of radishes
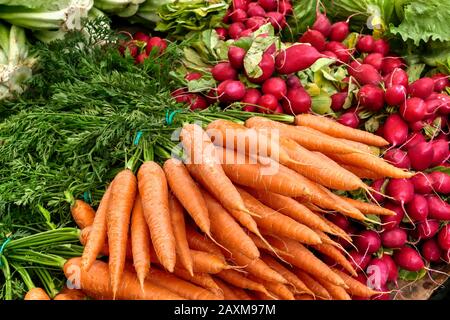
[245, 16]
[141, 45]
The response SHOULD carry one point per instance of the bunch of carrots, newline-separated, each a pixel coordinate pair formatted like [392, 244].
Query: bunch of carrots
[217, 226]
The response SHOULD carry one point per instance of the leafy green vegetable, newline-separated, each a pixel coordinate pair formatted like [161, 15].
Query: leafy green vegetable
[440, 169]
[304, 15]
[411, 275]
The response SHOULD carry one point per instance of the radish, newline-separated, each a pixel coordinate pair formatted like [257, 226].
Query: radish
[275, 86]
[267, 66]
[197, 102]
[140, 36]
[431, 251]
[339, 31]
[279, 109]
[236, 57]
[240, 4]
[438, 208]
[269, 5]
[398, 158]
[365, 44]
[376, 186]
[296, 58]
[396, 95]
[238, 15]
[180, 95]
[408, 259]
[268, 102]
[398, 76]
[297, 101]
[231, 91]
[140, 58]
[402, 190]
[256, 10]
[193, 76]
[330, 55]
[417, 126]
[427, 229]
[222, 33]
[446, 256]
[315, 38]
[371, 97]
[340, 50]
[381, 46]
[418, 208]
[395, 130]
[394, 238]
[440, 82]
[254, 23]
[390, 64]
[413, 109]
[413, 139]
[368, 242]
[422, 183]
[284, 7]
[322, 24]
[223, 71]
[391, 222]
[441, 151]
[441, 182]
[271, 50]
[277, 20]
[366, 74]
[235, 29]
[251, 99]
[374, 59]
[340, 220]
[421, 88]
[443, 237]
[293, 82]
[349, 119]
[338, 101]
[246, 33]
[382, 296]
[358, 260]
[421, 156]
[392, 267]
[156, 42]
[377, 273]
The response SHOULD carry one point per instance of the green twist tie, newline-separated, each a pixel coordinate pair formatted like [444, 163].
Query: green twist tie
[138, 137]
[3, 248]
[87, 195]
[170, 116]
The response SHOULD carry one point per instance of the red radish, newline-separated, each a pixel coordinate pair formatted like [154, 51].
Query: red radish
[421, 88]
[238, 15]
[246, 33]
[293, 82]
[222, 33]
[441, 182]
[418, 208]
[349, 119]
[371, 97]
[240, 4]
[391, 63]
[368, 242]
[440, 82]
[359, 260]
[413, 139]
[340, 220]
[322, 24]
[446, 256]
[422, 183]
[211, 96]
[398, 158]
[235, 29]
[395, 130]
[267, 65]
[231, 91]
[402, 190]
[236, 57]
[366, 74]
[413, 109]
[197, 102]
[339, 31]
[223, 71]
[409, 259]
[427, 229]
[141, 58]
[421, 156]
[392, 267]
[365, 44]
[251, 97]
[361, 277]
[416, 126]
[271, 50]
[297, 101]
[156, 42]
[396, 95]
[398, 76]
[140, 36]
[377, 273]
[180, 95]
[296, 58]
[394, 238]
[340, 50]
[284, 7]
[438, 208]
[279, 109]
[376, 186]
[381, 46]
[277, 20]
[431, 251]
[275, 86]
[226, 19]
[374, 59]
[330, 54]
[441, 151]
[315, 38]
[193, 76]
[132, 48]
[382, 296]
[268, 102]
[269, 5]
[338, 101]
[254, 23]
[443, 237]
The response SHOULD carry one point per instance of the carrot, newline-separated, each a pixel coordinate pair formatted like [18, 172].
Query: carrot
[200, 242]
[183, 288]
[302, 258]
[277, 223]
[318, 290]
[76, 293]
[336, 292]
[66, 296]
[263, 296]
[239, 280]
[84, 235]
[362, 147]
[303, 137]
[354, 286]
[205, 262]
[338, 130]
[312, 166]
[96, 283]
[201, 152]
[336, 255]
[303, 297]
[36, 294]
[337, 230]
[368, 208]
[327, 240]
[226, 230]
[241, 294]
[155, 203]
[362, 172]
[228, 292]
[291, 208]
[98, 236]
[187, 192]
[292, 279]
[179, 230]
[262, 245]
[123, 194]
[279, 289]
[203, 280]
[140, 241]
[82, 213]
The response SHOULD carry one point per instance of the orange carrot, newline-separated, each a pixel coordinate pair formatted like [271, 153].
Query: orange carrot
[263, 296]
[155, 203]
[318, 290]
[203, 280]
[241, 293]
[279, 289]
[82, 213]
[239, 280]
[338, 130]
[226, 289]
[205, 262]
[336, 292]
[187, 192]
[354, 286]
[96, 283]
[362, 172]
[200, 242]
[304, 297]
[179, 230]
[327, 240]
[226, 231]
[98, 236]
[337, 230]
[36, 294]
[336, 255]
[123, 194]
[368, 208]
[104, 251]
[65, 296]
[140, 241]
[201, 152]
[262, 245]
[76, 293]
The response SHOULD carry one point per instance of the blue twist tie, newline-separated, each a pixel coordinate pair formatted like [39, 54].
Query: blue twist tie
[3, 248]
[138, 137]
[87, 195]
[170, 116]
